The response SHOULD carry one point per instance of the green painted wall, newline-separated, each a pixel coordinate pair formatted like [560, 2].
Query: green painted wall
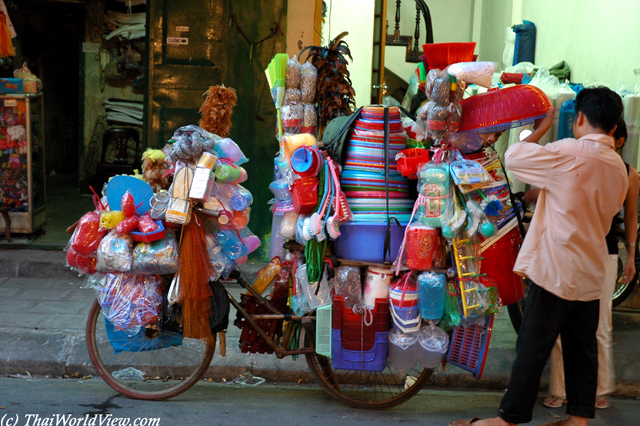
[254, 118]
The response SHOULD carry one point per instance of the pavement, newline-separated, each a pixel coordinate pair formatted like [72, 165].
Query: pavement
[44, 306]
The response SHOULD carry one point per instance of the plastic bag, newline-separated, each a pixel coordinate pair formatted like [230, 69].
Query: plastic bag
[27, 76]
[347, 283]
[308, 79]
[549, 84]
[158, 257]
[88, 234]
[114, 253]
[474, 72]
[137, 302]
[292, 76]
[82, 264]
[292, 96]
[313, 296]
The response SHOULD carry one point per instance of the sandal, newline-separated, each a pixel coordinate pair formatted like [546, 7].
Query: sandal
[602, 402]
[464, 422]
[554, 401]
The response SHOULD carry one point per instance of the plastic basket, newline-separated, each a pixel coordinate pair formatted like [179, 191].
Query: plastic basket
[323, 330]
[469, 346]
[304, 194]
[502, 109]
[365, 360]
[411, 162]
[441, 55]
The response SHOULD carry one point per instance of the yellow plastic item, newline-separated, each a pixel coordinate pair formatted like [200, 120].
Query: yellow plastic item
[109, 220]
[268, 274]
[460, 256]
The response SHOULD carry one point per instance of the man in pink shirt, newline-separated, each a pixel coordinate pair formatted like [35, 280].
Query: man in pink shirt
[583, 183]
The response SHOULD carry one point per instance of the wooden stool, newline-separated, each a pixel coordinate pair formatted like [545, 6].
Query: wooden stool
[4, 210]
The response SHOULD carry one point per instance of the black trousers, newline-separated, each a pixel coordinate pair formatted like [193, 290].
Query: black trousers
[546, 316]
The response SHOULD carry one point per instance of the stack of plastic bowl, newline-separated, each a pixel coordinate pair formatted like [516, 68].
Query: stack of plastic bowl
[363, 182]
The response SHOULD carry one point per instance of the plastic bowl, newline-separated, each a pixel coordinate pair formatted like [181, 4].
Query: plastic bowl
[147, 237]
[502, 109]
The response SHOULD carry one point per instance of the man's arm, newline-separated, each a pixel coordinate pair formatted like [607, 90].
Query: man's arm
[540, 127]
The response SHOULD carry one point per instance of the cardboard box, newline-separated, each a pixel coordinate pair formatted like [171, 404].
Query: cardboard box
[29, 86]
[11, 85]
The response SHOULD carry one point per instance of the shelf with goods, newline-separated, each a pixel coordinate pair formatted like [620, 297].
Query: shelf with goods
[22, 162]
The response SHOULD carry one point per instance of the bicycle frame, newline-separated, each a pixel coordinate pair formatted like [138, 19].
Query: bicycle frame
[280, 349]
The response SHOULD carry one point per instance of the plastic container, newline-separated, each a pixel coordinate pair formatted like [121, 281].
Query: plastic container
[501, 109]
[276, 245]
[147, 237]
[432, 290]
[359, 328]
[376, 285]
[364, 241]
[409, 164]
[231, 244]
[374, 359]
[421, 242]
[240, 219]
[403, 349]
[267, 276]
[304, 194]
[497, 262]
[241, 198]
[565, 121]
[433, 343]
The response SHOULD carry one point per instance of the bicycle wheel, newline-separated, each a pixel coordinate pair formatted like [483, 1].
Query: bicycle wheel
[155, 374]
[622, 291]
[367, 389]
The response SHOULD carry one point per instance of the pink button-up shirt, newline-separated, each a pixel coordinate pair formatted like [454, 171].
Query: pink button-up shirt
[583, 184]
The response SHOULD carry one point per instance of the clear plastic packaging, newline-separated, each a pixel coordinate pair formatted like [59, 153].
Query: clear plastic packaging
[227, 148]
[292, 75]
[313, 296]
[136, 301]
[432, 288]
[292, 117]
[435, 186]
[433, 344]
[115, 253]
[288, 225]
[308, 80]
[348, 283]
[403, 349]
[158, 257]
[309, 119]
[473, 72]
[292, 96]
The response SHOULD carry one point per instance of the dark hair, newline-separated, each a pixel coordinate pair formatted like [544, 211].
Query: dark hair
[601, 106]
[621, 130]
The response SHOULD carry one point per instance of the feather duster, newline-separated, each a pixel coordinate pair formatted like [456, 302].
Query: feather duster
[217, 109]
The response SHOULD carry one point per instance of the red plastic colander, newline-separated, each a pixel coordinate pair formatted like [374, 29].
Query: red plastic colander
[441, 55]
[502, 109]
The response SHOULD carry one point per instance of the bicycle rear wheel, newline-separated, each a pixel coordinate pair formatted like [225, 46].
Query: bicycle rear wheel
[156, 374]
[622, 291]
[367, 389]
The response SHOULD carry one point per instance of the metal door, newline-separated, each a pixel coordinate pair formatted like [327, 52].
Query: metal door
[187, 53]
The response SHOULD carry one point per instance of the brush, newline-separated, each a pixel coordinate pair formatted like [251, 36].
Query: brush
[276, 77]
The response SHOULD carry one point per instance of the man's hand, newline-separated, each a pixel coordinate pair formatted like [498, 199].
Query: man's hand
[546, 122]
[541, 126]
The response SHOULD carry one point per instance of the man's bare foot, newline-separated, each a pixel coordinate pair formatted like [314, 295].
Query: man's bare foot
[496, 421]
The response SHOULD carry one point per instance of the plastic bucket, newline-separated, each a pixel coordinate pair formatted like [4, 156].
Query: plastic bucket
[497, 262]
[376, 285]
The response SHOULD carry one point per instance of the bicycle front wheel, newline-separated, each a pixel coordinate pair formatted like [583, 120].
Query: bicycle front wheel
[143, 368]
[368, 389]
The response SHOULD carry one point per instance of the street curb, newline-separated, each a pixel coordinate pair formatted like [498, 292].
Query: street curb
[35, 264]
